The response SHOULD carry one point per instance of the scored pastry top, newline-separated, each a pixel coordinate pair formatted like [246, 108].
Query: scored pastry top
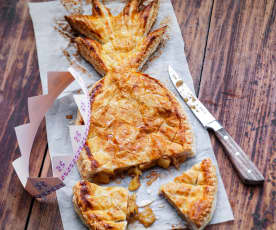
[203, 173]
[101, 208]
[194, 193]
[135, 121]
[117, 42]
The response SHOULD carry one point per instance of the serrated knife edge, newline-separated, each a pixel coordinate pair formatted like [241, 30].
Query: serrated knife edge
[248, 172]
[199, 110]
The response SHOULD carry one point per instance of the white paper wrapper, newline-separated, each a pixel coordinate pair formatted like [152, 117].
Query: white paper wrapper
[51, 58]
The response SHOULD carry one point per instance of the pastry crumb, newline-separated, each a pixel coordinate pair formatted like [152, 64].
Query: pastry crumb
[146, 217]
[69, 117]
[132, 208]
[135, 182]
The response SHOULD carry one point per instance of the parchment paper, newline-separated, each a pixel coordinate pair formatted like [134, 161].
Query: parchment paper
[49, 44]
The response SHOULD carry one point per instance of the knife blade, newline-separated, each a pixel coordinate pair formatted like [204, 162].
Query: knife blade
[248, 172]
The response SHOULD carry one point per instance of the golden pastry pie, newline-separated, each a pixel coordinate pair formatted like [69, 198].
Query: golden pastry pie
[193, 194]
[102, 208]
[135, 122]
[117, 42]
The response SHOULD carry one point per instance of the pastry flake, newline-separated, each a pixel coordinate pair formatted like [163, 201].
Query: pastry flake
[124, 41]
[135, 122]
[193, 194]
[101, 208]
[146, 217]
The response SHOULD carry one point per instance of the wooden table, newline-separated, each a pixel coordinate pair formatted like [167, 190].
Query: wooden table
[231, 51]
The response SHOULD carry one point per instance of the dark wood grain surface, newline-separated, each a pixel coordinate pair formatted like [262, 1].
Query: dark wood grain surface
[238, 86]
[231, 50]
[19, 79]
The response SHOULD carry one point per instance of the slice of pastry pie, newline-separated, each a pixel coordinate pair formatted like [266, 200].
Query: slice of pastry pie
[117, 42]
[135, 122]
[193, 194]
[102, 208]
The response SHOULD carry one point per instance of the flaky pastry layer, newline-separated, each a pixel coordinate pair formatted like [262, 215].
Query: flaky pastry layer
[194, 193]
[115, 43]
[101, 208]
[135, 121]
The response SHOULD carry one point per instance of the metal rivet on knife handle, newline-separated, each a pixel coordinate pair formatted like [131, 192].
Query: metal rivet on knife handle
[248, 172]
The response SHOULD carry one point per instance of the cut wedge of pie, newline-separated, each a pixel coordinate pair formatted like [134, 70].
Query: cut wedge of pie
[102, 208]
[193, 194]
[135, 122]
[118, 42]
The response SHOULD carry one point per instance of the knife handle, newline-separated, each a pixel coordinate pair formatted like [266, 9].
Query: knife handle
[248, 172]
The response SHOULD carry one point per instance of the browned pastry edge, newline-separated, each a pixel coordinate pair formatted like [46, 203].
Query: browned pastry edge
[89, 47]
[81, 27]
[190, 222]
[78, 211]
[210, 180]
[89, 50]
[153, 40]
[176, 160]
[147, 15]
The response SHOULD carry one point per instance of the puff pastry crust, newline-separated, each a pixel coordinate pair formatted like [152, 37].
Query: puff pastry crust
[101, 208]
[117, 42]
[135, 122]
[194, 193]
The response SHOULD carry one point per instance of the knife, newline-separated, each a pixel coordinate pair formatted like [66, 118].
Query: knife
[248, 172]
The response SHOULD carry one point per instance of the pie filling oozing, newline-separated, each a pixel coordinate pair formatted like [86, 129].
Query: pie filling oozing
[194, 193]
[121, 42]
[135, 122]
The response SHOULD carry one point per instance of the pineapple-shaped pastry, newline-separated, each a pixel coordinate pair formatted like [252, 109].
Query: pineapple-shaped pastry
[136, 122]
